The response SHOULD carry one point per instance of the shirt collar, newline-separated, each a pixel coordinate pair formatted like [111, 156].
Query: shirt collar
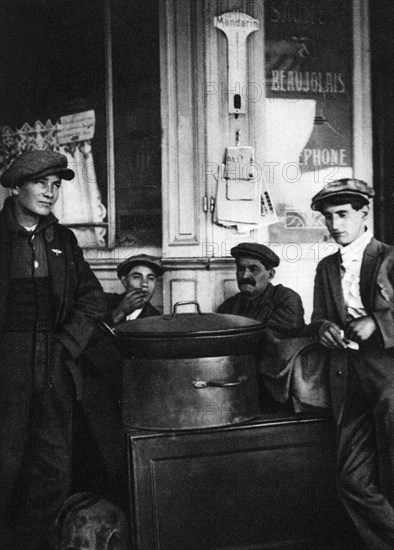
[357, 247]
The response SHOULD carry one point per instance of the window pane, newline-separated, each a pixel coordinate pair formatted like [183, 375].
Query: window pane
[136, 89]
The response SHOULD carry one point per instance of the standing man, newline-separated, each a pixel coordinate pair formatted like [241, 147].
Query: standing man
[277, 307]
[49, 300]
[353, 318]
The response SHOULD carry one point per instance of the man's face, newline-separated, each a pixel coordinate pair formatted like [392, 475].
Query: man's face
[344, 223]
[141, 277]
[252, 276]
[34, 199]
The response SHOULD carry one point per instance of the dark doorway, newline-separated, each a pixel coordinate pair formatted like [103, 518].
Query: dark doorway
[382, 64]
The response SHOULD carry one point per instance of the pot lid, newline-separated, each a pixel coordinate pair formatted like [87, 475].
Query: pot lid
[187, 324]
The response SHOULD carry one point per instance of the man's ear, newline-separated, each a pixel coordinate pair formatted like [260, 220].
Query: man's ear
[365, 210]
[123, 280]
[15, 189]
[272, 273]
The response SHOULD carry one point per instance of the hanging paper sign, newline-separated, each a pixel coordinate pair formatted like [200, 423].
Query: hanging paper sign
[77, 127]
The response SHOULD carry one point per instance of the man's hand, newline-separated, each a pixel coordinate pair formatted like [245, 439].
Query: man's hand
[134, 299]
[360, 329]
[330, 336]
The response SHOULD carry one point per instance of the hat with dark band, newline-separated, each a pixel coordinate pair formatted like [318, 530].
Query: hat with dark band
[33, 165]
[343, 188]
[258, 251]
[141, 259]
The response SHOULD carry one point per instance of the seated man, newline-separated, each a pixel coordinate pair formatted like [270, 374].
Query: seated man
[102, 364]
[277, 307]
[138, 275]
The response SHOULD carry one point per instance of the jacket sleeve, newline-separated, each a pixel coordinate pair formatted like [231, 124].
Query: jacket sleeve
[383, 313]
[319, 313]
[230, 306]
[84, 302]
[287, 315]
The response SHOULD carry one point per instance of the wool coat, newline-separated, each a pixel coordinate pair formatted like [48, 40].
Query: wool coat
[36, 409]
[77, 295]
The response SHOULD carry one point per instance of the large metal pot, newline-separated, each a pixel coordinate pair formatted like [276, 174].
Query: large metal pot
[189, 370]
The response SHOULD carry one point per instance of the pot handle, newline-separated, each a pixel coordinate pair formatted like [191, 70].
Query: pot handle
[198, 384]
[183, 304]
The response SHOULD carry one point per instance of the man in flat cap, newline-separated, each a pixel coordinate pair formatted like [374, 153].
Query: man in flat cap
[49, 300]
[353, 319]
[138, 274]
[102, 366]
[279, 308]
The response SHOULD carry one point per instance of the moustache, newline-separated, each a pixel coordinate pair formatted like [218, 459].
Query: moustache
[247, 281]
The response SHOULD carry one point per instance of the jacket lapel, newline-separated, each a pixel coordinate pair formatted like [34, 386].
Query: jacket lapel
[334, 282]
[369, 270]
[57, 266]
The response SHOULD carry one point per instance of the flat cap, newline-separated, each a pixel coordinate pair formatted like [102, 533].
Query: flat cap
[32, 165]
[255, 250]
[141, 259]
[345, 188]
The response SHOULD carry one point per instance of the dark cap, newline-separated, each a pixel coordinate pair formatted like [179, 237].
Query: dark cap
[32, 165]
[141, 259]
[345, 189]
[255, 250]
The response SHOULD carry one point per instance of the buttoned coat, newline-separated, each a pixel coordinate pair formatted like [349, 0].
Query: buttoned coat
[36, 392]
[377, 295]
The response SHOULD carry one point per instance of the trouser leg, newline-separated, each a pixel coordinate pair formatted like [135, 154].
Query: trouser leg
[383, 412]
[15, 404]
[46, 472]
[358, 471]
[13, 427]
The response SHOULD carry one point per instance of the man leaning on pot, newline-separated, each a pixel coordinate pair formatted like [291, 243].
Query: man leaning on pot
[353, 320]
[277, 307]
[102, 366]
[49, 300]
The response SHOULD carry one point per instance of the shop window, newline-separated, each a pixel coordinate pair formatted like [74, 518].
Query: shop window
[137, 135]
[309, 68]
[83, 78]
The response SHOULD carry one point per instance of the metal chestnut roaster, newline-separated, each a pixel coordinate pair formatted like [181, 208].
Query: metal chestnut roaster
[189, 370]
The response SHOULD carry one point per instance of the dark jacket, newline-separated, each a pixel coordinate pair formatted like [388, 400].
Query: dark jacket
[78, 298]
[279, 309]
[377, 294]
[102, 359]
[103, 365]
[114, 299]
